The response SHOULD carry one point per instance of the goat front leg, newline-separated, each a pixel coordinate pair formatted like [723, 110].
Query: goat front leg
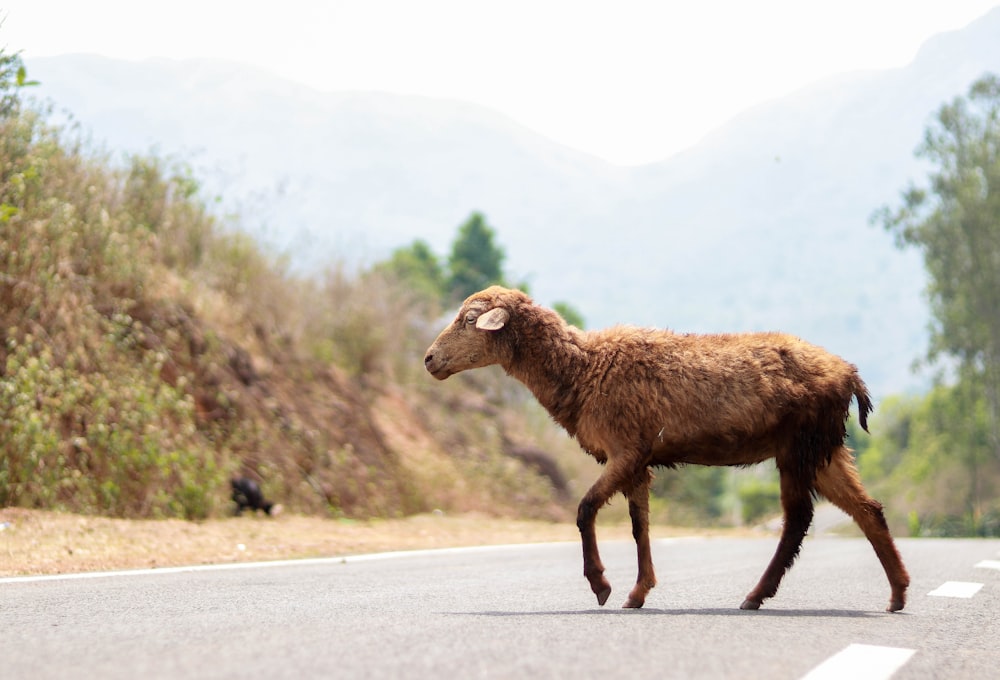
[600, 493]
[638, 510]
[593, 568]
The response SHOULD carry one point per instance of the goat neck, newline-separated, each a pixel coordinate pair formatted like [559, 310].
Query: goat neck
[549, 357]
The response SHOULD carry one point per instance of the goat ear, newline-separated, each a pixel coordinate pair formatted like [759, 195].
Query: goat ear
[493, 320]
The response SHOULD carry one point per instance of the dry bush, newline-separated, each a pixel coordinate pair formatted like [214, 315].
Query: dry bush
[148, 352]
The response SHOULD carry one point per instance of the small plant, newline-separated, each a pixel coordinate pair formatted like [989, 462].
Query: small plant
[759, 498]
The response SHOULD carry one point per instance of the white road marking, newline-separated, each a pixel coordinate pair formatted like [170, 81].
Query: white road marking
[956, 589]
[989, 564]
[346, 559]
[861, 662]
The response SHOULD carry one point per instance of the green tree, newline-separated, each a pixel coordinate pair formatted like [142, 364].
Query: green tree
[417, 267]
[956, 223]
[13, 77]
[932, 458]
[476, 261]
[694, 494]
[569, 313]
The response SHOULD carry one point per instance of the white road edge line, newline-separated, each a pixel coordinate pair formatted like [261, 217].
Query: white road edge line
[956, 589]
[988, 564]
[307, 561]
[861, 662]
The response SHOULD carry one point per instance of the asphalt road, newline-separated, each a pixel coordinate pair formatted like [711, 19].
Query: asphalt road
[515, 612]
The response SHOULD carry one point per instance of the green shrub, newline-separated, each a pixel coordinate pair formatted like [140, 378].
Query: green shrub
[759, 498]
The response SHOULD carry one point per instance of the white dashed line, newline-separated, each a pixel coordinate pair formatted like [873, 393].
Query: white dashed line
[988, 564]
[956, 589]
[861, 662]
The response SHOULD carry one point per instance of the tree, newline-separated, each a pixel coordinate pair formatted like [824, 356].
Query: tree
[13, 77]
[417, 267]
[942, 478]
[569, 313]
[475, 261]
[956, 223]
[695, 495]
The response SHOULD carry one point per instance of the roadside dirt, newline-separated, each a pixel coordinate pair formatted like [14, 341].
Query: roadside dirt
[40, 542]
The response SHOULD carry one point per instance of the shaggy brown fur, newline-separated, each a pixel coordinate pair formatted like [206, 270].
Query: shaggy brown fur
[636, 398]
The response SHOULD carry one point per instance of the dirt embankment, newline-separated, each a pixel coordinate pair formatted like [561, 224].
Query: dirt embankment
[41, 542]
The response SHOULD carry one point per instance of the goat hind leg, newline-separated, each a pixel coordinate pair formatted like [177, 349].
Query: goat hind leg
[796, 501]
[840, 484]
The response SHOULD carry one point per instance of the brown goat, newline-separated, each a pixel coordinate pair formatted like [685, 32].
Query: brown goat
[636, 398]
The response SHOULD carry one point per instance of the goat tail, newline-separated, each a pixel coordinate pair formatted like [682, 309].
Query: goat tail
[864, 402]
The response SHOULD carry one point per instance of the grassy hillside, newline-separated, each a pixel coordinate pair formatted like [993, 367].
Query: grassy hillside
[149, 351]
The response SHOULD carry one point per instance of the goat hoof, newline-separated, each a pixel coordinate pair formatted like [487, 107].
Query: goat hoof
[637, 597]
[600, 586]
[750, 605]
[895, 605]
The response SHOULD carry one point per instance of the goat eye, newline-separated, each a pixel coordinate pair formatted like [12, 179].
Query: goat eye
[470, 318]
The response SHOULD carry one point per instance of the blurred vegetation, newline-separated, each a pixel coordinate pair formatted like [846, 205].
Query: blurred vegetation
[943, 449]
[76, 242]
[931, 456]
[476, 262]
[149, 350]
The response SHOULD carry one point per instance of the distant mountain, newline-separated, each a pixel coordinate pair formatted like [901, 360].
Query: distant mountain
[764, 225]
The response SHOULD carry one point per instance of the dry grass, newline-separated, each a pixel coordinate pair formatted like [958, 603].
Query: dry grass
[41, 542]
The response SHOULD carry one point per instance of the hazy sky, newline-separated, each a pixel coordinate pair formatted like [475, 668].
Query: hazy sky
[631, 81]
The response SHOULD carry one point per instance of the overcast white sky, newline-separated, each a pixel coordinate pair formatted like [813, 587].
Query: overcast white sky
[631, 81]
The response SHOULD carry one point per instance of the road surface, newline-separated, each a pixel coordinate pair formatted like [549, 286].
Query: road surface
[517, 612]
